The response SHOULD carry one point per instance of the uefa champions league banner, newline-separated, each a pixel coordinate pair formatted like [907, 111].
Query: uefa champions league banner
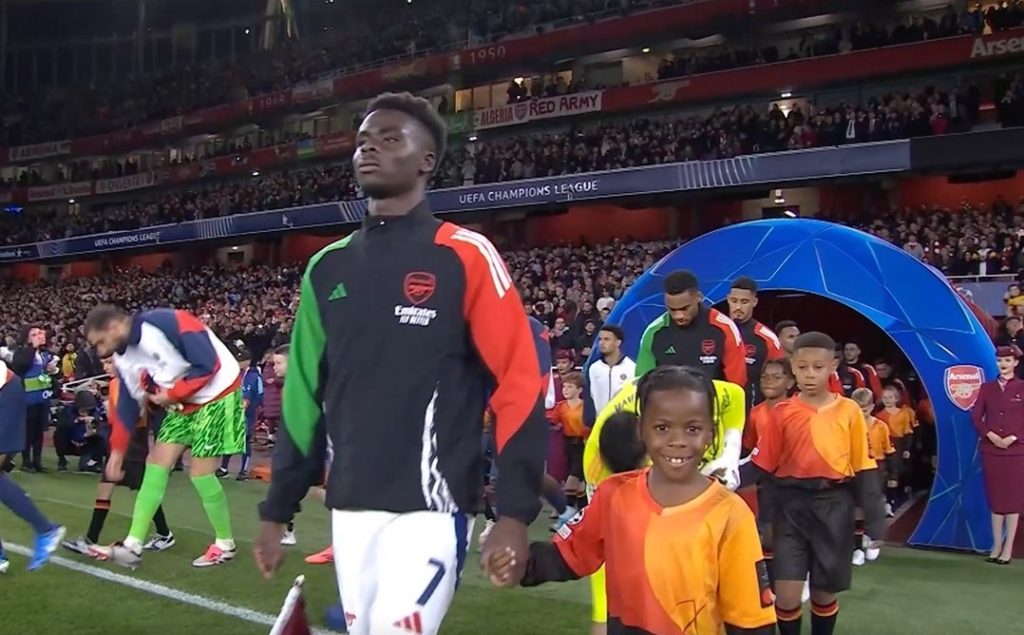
[764, 169]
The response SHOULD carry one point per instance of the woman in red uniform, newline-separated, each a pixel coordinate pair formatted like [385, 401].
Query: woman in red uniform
[999, 418]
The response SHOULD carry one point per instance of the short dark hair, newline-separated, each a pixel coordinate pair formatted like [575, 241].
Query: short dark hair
[419, 109]
[100, 317]
[615, 330]
[785, 324]
[622, 449]
[680, 282]
[814, 339]
[746, 283]
[781, 362]
[27, 330]
[283, 349]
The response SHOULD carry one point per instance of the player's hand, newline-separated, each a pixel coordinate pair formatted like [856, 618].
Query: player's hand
[721, 469]
[267, 550]
[508, 537]
[161, 399]
[114, 471]
[500, 567]
[573, 484]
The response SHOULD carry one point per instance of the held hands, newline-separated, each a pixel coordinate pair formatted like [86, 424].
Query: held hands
[1001, 442]
[500, 567]
[267, 550]
[505, 553]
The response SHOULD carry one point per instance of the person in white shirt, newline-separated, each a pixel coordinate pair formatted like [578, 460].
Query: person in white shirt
[605, 302]
[607, 375]
[7, 351]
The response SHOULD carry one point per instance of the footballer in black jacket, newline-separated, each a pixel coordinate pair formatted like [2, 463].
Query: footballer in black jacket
[403, 328]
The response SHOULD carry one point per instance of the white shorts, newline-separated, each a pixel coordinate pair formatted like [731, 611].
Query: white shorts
[397, 573]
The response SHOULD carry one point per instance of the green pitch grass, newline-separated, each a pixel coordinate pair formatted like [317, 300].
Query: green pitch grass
[924, 591]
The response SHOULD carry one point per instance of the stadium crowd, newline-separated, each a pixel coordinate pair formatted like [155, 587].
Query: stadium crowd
[815, 42]
[396, 29]
[976, 239]
[726, 132]
[842, 39]
[566, 287]
[255, 304]
[73, 111]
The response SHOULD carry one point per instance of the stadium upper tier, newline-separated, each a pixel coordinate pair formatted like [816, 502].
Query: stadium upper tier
[326, 133]
[296, 76]
[642, 141]
[391, 41]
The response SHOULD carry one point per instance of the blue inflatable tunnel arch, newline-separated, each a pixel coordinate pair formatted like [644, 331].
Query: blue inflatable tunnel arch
[911, 302]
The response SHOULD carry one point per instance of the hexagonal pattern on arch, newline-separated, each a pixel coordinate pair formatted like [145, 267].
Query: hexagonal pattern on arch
[910, 301]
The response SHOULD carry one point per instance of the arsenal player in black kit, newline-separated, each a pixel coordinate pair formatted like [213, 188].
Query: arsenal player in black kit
[406, 431]
[760, 343]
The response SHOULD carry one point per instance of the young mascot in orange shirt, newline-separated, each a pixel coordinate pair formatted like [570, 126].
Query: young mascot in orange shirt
[815, 455]
[682, 551]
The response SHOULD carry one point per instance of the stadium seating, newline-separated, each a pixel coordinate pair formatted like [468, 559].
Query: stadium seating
[726, 132]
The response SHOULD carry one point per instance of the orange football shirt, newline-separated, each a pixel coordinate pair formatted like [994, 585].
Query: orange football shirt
[757, 419]
[901, 423]
[683, 570]
[571, 419]
[879, 441]
[806, 443]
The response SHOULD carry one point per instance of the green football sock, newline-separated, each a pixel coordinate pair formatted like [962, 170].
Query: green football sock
[215, 503]
[151, 494]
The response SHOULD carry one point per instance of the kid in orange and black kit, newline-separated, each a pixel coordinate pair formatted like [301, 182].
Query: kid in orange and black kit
[815, 454]
[776, 382]
[706, 574]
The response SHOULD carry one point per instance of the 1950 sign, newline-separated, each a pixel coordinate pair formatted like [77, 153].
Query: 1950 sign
[486, 54]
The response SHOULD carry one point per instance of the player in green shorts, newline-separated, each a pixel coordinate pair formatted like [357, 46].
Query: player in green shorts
[169, 359]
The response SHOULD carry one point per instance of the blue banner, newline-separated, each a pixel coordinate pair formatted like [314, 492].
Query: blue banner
[988, 294]
[764, 169]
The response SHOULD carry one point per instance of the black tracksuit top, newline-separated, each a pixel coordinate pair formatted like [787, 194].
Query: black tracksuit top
[404, 328]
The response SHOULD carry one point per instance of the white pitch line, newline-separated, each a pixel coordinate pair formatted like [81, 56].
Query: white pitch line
[215, 606]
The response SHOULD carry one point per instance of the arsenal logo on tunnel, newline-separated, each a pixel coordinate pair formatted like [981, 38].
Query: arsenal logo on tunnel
[963, 383]
[419, 286]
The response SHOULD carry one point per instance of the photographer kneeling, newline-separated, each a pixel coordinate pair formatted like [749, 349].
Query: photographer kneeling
[81, 432]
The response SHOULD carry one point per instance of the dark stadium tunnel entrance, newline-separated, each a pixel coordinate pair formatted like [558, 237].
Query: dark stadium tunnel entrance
[813, 312]
[847, 283]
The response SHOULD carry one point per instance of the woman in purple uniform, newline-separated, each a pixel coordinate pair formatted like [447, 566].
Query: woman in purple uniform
[999, 418]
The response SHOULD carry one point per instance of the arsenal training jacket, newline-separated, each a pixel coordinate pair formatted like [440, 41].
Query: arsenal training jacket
[402, 331]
